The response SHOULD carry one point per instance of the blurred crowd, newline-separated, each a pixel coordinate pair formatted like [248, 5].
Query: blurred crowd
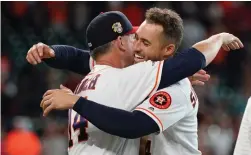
[222, 99]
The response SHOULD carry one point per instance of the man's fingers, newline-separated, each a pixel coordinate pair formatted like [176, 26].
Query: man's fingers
[49, 52]
[200, 77]
[40, 47]
[48, 92]
[47, 103]
[198, 83]
[48, 97]
[225, 47]
[42, 103]
[31, 57]
[35, 54]
[231, 45]
[47, 110]
[38, 52]
[203, 72]
[52, 53]
[28, 59]
[236, 45]
[239, 42]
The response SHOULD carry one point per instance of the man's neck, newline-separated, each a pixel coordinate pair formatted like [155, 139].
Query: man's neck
[109, 59]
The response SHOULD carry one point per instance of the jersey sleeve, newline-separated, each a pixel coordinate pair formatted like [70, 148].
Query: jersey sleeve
[166, 107]
[138, 81]
[184, 64]
[70, 58]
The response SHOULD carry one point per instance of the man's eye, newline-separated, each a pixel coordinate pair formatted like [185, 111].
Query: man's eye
[145, 43]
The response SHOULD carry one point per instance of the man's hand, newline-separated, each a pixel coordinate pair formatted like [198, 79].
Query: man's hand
[199, 78]
[211, 46]
[58, 99]
[38, 52]
[230, 42]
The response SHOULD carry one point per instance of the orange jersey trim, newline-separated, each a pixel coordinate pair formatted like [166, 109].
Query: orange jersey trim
[157, 78]
[152, 114]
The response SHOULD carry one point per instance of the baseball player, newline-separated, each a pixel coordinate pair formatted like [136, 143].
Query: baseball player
[243, 143]
[93, 83]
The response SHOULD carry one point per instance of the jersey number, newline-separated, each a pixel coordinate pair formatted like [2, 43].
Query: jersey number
[79, 123]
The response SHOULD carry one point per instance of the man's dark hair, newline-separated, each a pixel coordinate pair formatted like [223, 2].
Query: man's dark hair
[170, 21]
[100, 50]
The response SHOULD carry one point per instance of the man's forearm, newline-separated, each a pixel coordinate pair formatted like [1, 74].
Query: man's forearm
[210, 47]
[116, 121]
[69, 58]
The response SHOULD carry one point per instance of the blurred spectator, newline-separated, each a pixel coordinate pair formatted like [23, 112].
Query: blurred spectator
[193, 32]
[5, 70]
[221, 136]
[115, 6]
[21, 140]
[54, 142]
[58, 14]
[134, 12]
[20, 8]
[81, 12]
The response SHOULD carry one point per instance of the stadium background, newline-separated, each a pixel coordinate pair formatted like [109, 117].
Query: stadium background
[222, 99]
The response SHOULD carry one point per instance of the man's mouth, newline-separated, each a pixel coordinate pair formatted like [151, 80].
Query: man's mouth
[138, 56]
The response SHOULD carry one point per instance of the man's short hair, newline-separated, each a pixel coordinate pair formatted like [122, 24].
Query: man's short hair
[100, 50]
[170, 21]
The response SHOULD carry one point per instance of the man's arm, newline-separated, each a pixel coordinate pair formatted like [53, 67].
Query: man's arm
[131, 127]
[61, 57]
[182, 65]
[189, 61]
[70, 58]
[157, 113]
[116, 121]
[211, 46]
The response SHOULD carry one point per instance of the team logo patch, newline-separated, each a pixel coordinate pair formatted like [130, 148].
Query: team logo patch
[161, 100]
[117, 27]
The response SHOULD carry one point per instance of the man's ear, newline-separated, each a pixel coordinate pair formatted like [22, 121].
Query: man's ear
[121, 43]
[168, 50]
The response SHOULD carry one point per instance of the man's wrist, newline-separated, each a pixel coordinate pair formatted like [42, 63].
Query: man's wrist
[78, 104]
[53, 49]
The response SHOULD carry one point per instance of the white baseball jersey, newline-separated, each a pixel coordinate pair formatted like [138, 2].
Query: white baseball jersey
[174, 109]
[120, 88]
[243, 143]
[92, 63]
